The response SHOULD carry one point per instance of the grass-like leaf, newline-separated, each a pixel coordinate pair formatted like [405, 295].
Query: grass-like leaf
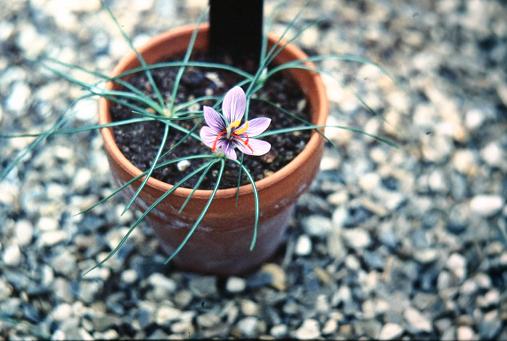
[138, 55]
[312, 127]
[256, 201]
[40, 138]
[145, 213]
[201, 215]
[134, 179]
[197, 184]
[150, 171]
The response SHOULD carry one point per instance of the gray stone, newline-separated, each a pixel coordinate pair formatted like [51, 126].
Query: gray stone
[279, 331]
[203, 286]
[129, 276]
[248, 326]
[19, 98]
[317, 225]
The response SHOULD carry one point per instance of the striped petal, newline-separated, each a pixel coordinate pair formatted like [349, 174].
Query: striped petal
[213, 119]
[253, 146]
[234, 104]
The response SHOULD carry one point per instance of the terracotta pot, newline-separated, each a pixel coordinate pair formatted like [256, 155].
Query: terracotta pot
[221, 243]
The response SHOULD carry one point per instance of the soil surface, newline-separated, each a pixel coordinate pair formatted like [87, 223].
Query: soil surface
[140, 142]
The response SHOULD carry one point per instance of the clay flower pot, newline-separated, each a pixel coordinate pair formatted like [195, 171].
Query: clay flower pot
[221, 243]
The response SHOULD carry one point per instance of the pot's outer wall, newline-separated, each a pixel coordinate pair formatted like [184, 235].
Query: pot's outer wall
[221, 243]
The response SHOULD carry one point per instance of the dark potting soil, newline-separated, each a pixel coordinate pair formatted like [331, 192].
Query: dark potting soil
[140, 142]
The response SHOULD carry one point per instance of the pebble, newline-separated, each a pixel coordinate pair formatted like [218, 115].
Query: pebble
[417, 321]
[465, 333]
[183, 165]
[492, 154]
[12, 256]
[279, 331]
[129, 276]
[167, 314]
[235, 285]
[278, 277]
[390, 331]
[309, 330]
[23, 232]
[51, 238]
[356, 238]
[456, 263]
[317, 225]
[303, 245]
[248, 326]
[486, 205]
[19, 98]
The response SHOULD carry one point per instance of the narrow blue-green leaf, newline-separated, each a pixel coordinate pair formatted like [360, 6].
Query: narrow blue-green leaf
[201, 215]
[150, 171]
[186, 58]
[207, 65]
[297, 117]
[197, 184]
[256, 201]
[99, 75]
[352, 129]
[53, 131]
[238, 185]
[134, 179]
[144, 214]
[138, 55]
[40, 138]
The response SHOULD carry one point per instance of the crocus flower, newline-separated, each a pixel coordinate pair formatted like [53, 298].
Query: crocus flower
[225, 134]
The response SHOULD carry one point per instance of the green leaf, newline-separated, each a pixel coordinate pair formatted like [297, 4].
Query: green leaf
[256, 200]
[40, 138]
[150, 171]
[352, 129]
[198, 183]
[201, 215]
[138, 55]
[134, 179]
[144, 214]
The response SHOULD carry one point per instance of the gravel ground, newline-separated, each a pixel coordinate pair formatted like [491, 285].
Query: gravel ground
[388, 243]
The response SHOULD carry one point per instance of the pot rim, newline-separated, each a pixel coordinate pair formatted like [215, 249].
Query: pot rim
[299, 161]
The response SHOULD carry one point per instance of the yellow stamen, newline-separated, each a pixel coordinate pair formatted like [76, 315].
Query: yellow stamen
[241, 130]
[235, 124]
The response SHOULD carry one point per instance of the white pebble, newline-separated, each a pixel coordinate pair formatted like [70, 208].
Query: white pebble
[486, 205]
[23, 232]
[18, 98]
[303, 245]
[12, 256]
[309, 330]
[356, 238]
[183, 165]
[235, 284]
[390, 331]
[492, 154]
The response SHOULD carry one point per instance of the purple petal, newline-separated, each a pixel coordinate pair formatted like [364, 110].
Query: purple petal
[213, 119]
[208, 136]
[234, 104]
[257, 126]
[227, 148]
[255, 147]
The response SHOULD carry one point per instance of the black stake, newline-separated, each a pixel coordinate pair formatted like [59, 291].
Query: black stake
[236, 29]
